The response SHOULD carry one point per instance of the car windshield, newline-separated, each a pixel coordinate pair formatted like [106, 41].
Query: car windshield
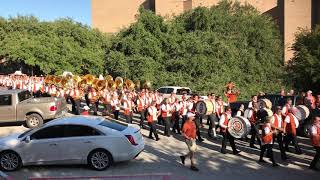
[114, 125]
[182, 91]
[24, 95]
[23, 134]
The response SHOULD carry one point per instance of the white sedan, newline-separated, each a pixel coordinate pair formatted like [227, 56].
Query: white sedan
[72, 140]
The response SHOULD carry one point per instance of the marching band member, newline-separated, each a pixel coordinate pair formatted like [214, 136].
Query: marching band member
[184, 109]
[128, 106]
[315, 140]
[198, 117]
[223, 122]
[106, 100]
[212, 118]
[176, 117]
[286, 108]
[254, 99]
[115, 104]
[172, 98]
[291, 123]
[252, 117]
[152, 118]
[267, 141]
[166, 116]
[141, 108]
[219, 107]
[93, 97]
[277, 127]
[75, 95]
[240, 112]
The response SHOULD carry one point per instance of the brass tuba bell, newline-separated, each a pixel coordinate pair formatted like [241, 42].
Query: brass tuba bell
[89, 78]
[147, 85]
[137, 85]
[100, 84]
[129, 84]
[119, 82]
[112, 85]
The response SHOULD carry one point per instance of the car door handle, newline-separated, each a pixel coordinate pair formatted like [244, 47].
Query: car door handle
[53, 144]
[87, 142]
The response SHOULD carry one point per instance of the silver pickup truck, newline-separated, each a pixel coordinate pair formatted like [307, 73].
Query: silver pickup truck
[19, 105]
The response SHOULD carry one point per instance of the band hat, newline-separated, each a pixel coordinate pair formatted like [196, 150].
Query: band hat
[190, 114]
[86, 108]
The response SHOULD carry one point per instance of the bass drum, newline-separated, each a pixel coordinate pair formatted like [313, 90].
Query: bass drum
[204, 107]
[302, 112]
[264, 103]
[263, 114]
[239, 127]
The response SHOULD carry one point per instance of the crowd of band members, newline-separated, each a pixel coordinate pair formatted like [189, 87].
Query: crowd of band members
[154, 108]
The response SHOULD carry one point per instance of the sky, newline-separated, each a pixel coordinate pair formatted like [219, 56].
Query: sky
[48, 10]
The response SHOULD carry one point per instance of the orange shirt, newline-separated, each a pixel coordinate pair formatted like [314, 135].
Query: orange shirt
[189, 129]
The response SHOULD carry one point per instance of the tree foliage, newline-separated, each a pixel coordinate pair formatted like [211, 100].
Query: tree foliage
[203, 48]
[53, 47]
[304, 68]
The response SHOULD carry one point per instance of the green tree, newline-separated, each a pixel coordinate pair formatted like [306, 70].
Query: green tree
[304, 67]
[53, 47]
[203, 48]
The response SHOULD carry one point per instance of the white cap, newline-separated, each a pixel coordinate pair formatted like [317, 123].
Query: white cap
[86, 108]
[190, 114]
[309, 92]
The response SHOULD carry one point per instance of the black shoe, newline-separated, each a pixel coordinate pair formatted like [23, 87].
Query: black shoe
[179, 132]
[275, 164]
[223, 152]
[157, 139]
[200, 140]
[236, 152]
[262, 161]
[182, 159]
[209, 135]
[193, 168]
[150, 137]
[299, 153]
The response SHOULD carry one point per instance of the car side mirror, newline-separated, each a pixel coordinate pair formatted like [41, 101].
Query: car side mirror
[27, 139]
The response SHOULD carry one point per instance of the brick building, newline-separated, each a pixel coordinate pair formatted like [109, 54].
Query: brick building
[112, 15]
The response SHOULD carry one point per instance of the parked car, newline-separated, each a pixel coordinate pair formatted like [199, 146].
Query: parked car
[20, 105]
[72, 140]
[167, 90]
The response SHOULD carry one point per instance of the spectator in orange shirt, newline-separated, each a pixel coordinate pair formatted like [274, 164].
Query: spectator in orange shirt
[189, 132]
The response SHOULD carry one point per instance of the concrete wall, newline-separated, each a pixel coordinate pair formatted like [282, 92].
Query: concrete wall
[112, 15]
[297, 14]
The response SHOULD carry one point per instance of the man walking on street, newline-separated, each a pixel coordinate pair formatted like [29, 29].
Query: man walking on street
[189, 132]
[315, 140]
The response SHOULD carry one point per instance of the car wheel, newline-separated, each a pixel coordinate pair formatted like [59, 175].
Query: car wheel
[34, 120]
[10, 161]
[100, 159]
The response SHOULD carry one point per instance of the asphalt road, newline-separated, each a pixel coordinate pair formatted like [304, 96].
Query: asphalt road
[160, 160]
